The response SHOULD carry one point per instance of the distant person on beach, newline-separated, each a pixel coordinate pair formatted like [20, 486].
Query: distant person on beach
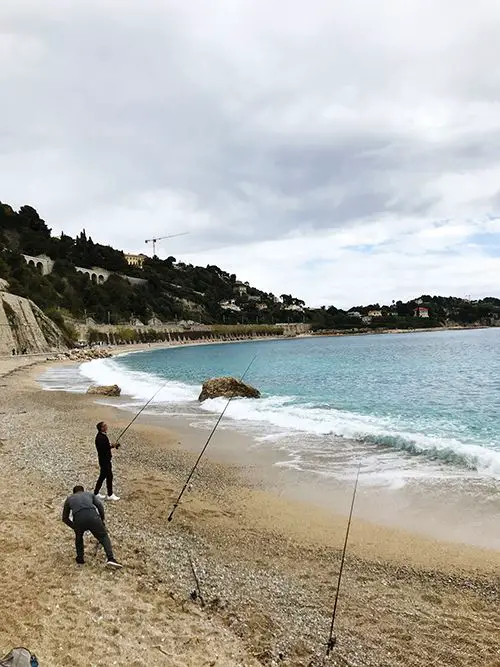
[87, 514]
[104, 448]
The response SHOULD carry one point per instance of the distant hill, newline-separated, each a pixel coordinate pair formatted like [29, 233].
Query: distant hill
[176, 291]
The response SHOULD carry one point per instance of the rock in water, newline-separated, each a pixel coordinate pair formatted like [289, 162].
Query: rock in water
[107, 390]
[227, 387]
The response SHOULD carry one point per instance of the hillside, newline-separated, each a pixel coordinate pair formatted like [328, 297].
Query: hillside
[167, 290]
[172, 290]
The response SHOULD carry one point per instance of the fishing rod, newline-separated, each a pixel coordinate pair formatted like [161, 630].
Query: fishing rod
[176, 504]
[332, 640]
[196, 593]
[137, 415]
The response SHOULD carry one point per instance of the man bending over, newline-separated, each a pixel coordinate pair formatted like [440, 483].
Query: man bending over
[87, 514]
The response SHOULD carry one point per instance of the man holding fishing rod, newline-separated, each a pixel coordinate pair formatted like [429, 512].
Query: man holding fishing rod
[104, 455]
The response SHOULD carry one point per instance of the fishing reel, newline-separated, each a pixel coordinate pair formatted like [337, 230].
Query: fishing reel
[332, 642]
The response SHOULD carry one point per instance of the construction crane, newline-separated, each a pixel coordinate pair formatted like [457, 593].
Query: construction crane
[160, 238]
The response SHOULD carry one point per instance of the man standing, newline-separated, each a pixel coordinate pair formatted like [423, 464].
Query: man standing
[87, 514]
[104, 448]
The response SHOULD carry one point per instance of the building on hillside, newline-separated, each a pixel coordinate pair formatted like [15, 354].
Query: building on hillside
[253, 297]
[261, 306]
[240, 288]
[135, 260]
[354, 313]
[421, 311]
[230, 305]
[294, 306]
[374, 313]
[366, 319]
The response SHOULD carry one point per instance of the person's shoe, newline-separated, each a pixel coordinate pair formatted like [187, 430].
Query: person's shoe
[80, 561]
[111, 562]
[112, 497]
[101, 496]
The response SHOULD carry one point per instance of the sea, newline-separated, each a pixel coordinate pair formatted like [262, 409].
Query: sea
[415, 412]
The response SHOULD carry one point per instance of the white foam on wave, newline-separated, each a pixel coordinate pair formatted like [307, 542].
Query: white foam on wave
[384, 432]
[276, 419]
[136, 384]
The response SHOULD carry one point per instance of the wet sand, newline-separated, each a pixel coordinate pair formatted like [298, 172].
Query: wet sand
[267, 563]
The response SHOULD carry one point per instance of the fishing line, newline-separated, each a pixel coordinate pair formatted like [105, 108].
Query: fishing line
[332, 640]
[141, 410]
[176, 504]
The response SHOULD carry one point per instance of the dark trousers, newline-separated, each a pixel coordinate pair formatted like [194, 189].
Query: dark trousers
[89, 520]
[105, 474]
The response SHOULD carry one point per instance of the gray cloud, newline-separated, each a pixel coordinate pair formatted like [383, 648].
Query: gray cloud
[245, 122]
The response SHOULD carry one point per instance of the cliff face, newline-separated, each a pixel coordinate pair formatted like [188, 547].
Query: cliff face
[24, 327]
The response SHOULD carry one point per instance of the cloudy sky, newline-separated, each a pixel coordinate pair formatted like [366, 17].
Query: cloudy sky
[345, 152]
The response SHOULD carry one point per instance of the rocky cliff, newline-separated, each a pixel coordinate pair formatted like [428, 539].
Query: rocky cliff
[24, 327]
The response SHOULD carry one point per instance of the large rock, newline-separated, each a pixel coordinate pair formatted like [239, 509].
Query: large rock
[106, 390]
[227, 387]
[24, 329]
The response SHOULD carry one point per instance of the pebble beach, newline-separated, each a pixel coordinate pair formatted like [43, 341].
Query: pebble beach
[267, 565]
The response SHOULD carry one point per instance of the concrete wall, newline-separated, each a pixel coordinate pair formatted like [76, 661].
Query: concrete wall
[298, 328]
[134, 281]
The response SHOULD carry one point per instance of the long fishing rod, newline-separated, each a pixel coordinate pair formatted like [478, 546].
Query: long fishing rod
[332, 640]
[137, 415]
[176, 504]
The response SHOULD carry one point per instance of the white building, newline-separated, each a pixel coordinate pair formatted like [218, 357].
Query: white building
[240, 288]
[230, 305]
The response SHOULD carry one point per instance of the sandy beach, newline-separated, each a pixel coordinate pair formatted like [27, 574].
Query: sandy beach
[267, 564]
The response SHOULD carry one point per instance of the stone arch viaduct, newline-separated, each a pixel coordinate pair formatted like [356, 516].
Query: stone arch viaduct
[96, 274]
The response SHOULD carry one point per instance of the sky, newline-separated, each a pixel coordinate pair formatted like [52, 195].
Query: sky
[343, 152]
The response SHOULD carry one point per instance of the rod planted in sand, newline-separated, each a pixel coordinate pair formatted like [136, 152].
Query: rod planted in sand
[332, 640]
[137, 415]
[176, 504]
[197, 582]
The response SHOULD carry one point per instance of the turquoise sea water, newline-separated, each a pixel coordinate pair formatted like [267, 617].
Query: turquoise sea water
[411, 407]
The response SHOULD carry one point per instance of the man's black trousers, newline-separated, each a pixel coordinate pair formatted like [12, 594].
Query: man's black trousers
[105, 474]
[88, 519]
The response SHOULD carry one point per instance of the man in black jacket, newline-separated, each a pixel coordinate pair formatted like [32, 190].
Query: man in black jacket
[104, 448]
[87, 514]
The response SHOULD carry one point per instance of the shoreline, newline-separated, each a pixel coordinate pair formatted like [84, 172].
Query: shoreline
[443, 510]
[436, 511]
[267, 565]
